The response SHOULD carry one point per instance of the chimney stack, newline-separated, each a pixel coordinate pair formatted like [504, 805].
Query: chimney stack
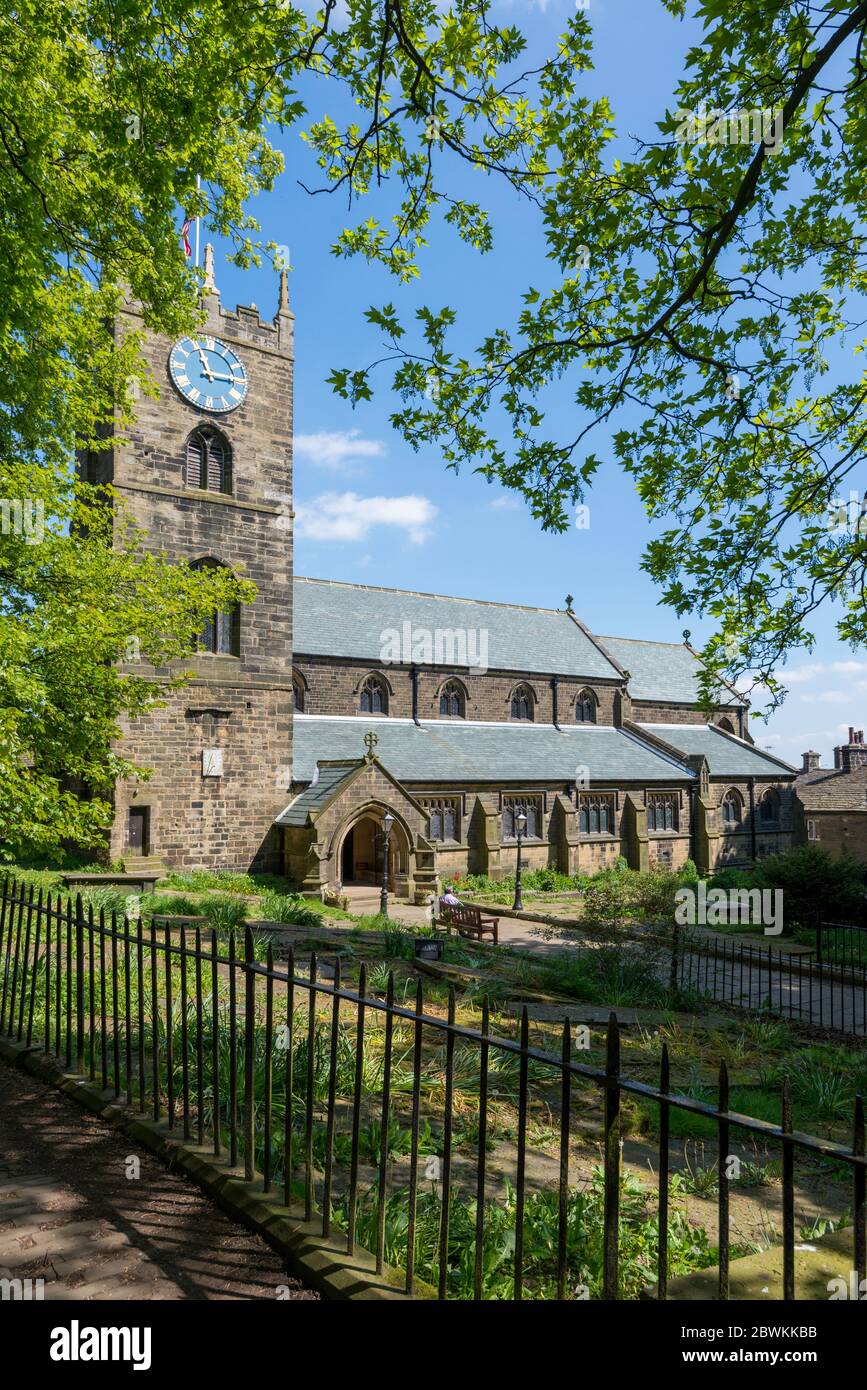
[812, 760]
[853, 754]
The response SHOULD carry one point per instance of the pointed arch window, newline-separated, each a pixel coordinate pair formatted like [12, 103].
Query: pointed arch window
[452, 701]
[726, 726]
[221, 634]
[585, 708]
[208, 461]
[769, 806]
[522, 702]
[373, 698]
[732, 809]
[298, 694]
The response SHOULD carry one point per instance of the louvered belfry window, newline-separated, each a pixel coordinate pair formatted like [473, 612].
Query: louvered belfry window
[208, 463]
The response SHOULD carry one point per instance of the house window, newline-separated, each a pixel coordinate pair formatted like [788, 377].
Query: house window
[208, 462]
[769, 806]
[221, 634]
[595, 814]
[585, 708]
[444, 818]
[374, 697]
[732, 809]
[812, 830]
[522, 702]
[532, 808]
[662, 811]
[452, 703]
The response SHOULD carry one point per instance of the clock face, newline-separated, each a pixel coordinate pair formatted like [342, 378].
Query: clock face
[208, 374]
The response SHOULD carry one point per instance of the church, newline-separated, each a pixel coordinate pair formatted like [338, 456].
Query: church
[321, 707]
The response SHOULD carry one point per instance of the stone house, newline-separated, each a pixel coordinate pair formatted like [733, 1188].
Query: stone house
[830, 804]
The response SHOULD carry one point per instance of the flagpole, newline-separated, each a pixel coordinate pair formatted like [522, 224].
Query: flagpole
[198, 219]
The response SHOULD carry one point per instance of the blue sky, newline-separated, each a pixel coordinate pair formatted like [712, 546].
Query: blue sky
[372, 511]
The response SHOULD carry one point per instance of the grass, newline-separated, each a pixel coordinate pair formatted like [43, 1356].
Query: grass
[689, 1246]
[616, 976]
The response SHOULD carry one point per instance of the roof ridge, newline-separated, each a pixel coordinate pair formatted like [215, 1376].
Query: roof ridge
[646, 641]
[425, 593]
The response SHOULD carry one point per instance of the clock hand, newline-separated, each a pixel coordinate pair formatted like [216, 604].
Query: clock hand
[205, 368]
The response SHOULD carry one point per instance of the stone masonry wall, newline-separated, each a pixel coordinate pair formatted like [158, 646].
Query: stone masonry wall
[241, 705]
[331, 687]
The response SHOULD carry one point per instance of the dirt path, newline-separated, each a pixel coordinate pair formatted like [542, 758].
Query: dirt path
[70, 1215]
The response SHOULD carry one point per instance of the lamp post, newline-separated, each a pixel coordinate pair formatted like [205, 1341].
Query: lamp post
[520, 827]
[387, 823]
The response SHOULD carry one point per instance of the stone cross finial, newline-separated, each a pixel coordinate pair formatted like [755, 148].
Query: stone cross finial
[370, 741]
[569, 601]
[686, 634]
[208, 283]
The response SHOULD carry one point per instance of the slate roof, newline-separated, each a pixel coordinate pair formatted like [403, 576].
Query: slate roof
[726, 755]
[441, 751]
[832, 789]
[662, 670]
[328, 781]
[348, 620]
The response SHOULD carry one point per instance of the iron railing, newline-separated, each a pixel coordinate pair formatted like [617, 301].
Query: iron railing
[842, 944]
[315, 1090]
[829, 993]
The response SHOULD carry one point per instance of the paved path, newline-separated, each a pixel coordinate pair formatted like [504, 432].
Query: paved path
[70, 1215]
[833, 1004]
[746, 982]
[524, 936]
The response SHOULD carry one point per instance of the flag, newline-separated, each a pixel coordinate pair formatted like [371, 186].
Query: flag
[185, 236]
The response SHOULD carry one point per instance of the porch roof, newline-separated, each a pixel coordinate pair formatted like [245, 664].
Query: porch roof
[328, 780]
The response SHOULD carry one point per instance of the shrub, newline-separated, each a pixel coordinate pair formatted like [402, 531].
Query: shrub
[653, 895]
[225, 913]
[290, 908]
[815, 885]
[170, 905]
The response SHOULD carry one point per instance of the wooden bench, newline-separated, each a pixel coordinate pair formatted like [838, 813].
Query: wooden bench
[468, 921]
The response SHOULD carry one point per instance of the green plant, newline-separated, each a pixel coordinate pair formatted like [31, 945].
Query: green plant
[225, 913]
[170, 905]
[289, 908]
[689, 1247]
[397, 943]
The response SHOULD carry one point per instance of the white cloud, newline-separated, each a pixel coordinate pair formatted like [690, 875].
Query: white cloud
[800, 674]
[344, 516]
[828, 697]
[506, 502]
[335, 449]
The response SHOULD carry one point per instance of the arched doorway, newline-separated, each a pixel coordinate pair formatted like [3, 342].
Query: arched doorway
[361, 851]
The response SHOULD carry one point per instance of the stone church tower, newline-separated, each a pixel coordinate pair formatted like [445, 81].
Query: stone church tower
[206, 472]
